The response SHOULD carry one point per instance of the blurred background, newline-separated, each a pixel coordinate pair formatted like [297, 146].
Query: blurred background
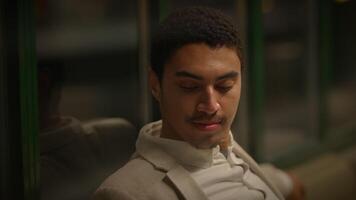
[298, 106]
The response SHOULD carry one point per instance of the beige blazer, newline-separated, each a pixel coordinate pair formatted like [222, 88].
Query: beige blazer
[153, 174]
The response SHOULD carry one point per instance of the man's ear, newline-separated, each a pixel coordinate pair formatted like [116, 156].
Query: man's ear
[154, 85]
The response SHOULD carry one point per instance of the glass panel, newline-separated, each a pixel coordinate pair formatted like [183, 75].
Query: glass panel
[88, 86]
[341, 99]
[286, 114]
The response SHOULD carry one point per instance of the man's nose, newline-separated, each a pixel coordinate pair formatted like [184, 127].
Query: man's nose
[208, 102]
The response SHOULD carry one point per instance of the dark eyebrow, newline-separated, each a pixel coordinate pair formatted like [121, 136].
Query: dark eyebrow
[228, 75]
[188, 74]
[231, 74]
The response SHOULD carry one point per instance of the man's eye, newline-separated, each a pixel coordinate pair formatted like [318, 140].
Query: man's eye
[189, 87]
[224, 88]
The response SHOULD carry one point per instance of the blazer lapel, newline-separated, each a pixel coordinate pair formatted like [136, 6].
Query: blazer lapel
[254, 167]
[185, 184]
[177, 175]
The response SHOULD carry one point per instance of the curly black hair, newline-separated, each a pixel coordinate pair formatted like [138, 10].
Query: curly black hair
[192, 25]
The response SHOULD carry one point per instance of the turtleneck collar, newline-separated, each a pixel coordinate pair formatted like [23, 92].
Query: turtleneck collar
[183, 153]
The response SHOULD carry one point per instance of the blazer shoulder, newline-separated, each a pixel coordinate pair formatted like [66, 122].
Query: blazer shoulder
[137, 175]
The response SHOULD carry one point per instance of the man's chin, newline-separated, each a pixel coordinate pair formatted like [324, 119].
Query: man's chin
[210, 142]
[220, 138]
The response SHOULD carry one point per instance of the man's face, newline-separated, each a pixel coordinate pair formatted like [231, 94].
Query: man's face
[199, 94]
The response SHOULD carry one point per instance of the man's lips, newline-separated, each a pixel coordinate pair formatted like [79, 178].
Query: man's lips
[207, 125]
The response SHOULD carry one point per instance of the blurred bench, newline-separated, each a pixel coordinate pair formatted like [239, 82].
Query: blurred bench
[113, 140]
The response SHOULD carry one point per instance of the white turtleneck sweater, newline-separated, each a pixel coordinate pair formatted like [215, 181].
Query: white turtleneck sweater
[219, 175]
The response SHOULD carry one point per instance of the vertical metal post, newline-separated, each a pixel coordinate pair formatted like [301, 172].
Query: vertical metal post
[143, 29]
[312, 69]
[19, 149]
[28, 98]
[163, 9]
[255, 70]
[325, 60]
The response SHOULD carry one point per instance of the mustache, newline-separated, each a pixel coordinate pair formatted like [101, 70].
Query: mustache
[215, 117]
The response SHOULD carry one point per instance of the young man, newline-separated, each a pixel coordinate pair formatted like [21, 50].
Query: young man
[196, 72]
